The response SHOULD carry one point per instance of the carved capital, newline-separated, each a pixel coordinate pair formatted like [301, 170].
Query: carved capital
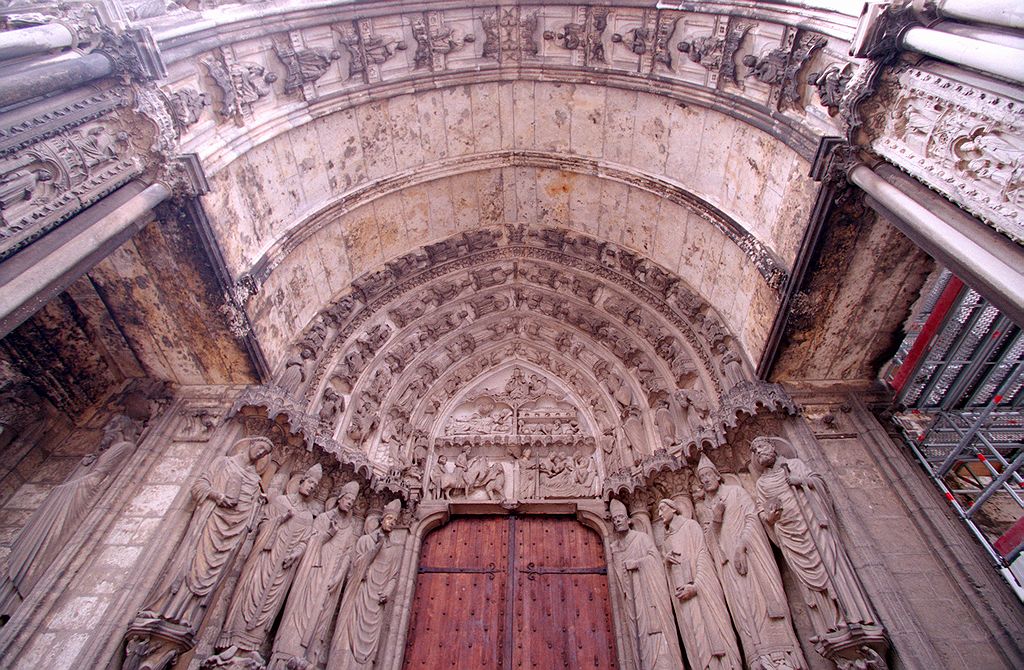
[855, 647]
[880, 28]
[133, 53]
[184, 176]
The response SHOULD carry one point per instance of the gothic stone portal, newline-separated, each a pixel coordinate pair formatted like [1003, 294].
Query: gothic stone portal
[511, 592]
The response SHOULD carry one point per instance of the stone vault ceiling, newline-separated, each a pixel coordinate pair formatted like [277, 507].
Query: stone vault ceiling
[340, 137]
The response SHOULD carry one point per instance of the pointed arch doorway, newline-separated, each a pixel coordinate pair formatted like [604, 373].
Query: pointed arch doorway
[511, 593]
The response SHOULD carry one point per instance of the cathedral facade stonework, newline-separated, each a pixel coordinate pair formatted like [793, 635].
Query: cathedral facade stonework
[385, 335]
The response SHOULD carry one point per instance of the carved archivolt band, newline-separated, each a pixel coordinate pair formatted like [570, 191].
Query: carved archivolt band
[631, 360]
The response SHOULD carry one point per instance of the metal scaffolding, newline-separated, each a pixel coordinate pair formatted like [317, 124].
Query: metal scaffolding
[959, 380]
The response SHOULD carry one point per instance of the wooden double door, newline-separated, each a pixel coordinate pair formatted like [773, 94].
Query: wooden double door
[511, 593]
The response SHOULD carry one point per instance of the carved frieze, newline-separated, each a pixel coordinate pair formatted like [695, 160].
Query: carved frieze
[368, 50]
[241, 83]
[831, 83]
[52, 180]
[961, 141]
[584, 36]
[187, 105]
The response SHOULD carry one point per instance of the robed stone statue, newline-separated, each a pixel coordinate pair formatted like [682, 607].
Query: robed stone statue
[750, 577]
[313, 600]
[228, 498]
[375, 565]
[793, 503]
[285, 528]
[53, 523]
[703, 616]
[640, 575]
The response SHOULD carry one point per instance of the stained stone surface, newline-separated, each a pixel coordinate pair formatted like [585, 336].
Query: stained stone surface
[476, 259]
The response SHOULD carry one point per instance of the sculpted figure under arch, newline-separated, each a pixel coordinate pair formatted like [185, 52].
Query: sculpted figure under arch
[750, 577]
[317, 587]
[227, 496]
[284, 532]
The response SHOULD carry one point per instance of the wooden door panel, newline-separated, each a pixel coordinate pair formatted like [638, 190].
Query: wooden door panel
[557, 542]
[562, 614]
[458, 622]
[468, 542]
[562, 621]
[458, 611]
[540, 604]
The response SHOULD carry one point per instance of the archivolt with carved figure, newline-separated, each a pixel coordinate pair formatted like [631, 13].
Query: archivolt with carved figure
[504, 370]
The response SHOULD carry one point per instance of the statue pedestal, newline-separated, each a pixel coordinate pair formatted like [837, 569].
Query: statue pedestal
[153, 643]
[855, 647]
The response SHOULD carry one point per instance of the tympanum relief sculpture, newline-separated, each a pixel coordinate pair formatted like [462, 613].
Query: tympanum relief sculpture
[519, 436]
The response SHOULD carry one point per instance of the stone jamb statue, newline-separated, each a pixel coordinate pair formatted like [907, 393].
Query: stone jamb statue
[701, 612]
[750, 578]
[284, 532]
[640, 575]
[54, 522]
[375, 565]
[227, 496]
[314, 597]
[793, 503]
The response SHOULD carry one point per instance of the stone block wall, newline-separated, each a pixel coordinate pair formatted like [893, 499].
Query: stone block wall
[78, 612]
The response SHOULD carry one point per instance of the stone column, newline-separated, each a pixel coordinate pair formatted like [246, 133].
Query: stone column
[1006, 13]
[35, 40]
[991, 269]
[998, 59]
[39, 80]
[26, 292]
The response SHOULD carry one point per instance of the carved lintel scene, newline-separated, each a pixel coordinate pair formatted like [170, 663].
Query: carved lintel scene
[394, 335]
